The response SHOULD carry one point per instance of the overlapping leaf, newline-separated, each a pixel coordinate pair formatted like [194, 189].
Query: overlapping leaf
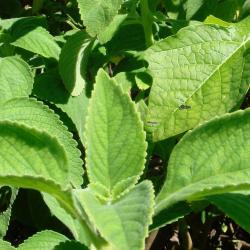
[48, 87]
[212, 159]
[201, 72]
[30, 158]
[48, 240]
[130, 216]
[5, 212]
[16, 79]
[27, 34]
[35, 114]
[115, 139]
[98, 14]
[73, 62]
[235, 205]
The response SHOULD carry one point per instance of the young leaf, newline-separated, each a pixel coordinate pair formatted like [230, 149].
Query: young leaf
[201, 72]
[33, 113]
[130, 216]
[73, 62]
[115, 139]
[16, 79]
[98, 14]
[48, 240]
[235, 205]
[212, 159]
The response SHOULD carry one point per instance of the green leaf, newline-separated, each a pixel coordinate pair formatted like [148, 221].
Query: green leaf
[30, 36]
[201, 72]
[98, 14]
[130, 216]
[112, 28]
[73, 62]
[16, 79]
[33, 159]
[214, 20]
[192, 6]
[245, 10]
[170, 215]
[6, 245]
[212, 159]
[5, 214]
[48, 87]
[70, 245]
[34, 114]
[115, 139]
[128, 37]
[30, 158]
[236, 206]
[72, 223]
[43, 240]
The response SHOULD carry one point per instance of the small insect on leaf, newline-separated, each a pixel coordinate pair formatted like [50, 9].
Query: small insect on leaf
[184, 107]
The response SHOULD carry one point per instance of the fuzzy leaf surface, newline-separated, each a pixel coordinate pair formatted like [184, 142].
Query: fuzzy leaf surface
[130, 216]
[73, 62]
[16, 79]
[29, 157]
[6, 245]
[115, 139]
[212, 159]
[33, 113]
[47, 239]
[200, 72]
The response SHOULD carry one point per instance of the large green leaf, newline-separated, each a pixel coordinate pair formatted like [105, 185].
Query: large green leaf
[115, 139]
[33, 113]
[43, 240]
[33, 159]
[73, 62]
[48, 87]
[124, 222]
[201, 72]
[236, 206]
[16, 79]
[212, 159]
[98, 14]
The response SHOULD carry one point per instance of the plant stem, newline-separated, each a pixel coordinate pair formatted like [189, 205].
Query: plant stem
[150, 239]
[147, 22]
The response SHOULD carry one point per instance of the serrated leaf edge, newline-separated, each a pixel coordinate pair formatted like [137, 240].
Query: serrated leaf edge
[135, 112]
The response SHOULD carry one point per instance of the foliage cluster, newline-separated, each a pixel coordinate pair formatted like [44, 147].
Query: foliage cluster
[92, 91]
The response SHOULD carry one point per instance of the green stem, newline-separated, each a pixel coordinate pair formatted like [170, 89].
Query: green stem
[147, 22]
